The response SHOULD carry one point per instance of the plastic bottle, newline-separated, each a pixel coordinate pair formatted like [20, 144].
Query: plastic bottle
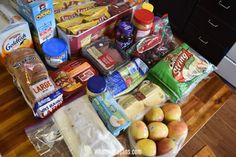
[111, 113]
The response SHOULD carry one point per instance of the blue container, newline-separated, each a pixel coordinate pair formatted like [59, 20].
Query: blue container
[55, 52]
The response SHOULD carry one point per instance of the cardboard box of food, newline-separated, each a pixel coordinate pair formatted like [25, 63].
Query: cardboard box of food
[40, 15]
[76, 42]
[14, 32]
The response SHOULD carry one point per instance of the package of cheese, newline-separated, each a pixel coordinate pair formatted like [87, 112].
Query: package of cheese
[139, 101]
[14, 32]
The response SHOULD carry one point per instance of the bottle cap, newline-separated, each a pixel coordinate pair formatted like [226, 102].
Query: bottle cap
[96, 84]
[143, 16]
[148, 6]
[54, 47]
[126, 28]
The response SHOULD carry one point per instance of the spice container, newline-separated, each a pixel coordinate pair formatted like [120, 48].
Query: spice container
[105, 55]
[111, 113]
[124, 35]
[143, 22]
[55, 51]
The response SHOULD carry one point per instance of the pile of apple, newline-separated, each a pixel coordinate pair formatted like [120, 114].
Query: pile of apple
[159, 131]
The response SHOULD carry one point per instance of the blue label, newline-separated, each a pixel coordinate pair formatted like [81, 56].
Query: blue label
[47, 104]
[115, 83]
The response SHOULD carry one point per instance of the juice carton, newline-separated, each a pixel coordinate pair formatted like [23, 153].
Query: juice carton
[14, 32]
[40, 15]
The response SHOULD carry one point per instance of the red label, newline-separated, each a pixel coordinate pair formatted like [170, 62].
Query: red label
[107, 60]
[148, 44]
[179, 64]
[139, 96]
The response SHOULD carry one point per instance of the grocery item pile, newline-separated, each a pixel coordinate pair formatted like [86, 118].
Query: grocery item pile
[99, 68]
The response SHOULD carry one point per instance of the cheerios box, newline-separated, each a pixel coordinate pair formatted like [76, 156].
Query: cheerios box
[14, 32]
[40, 15]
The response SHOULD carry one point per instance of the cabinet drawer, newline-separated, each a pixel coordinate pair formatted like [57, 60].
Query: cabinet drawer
[203, 44]
[225, 9]
[227, 69]
[207, 22]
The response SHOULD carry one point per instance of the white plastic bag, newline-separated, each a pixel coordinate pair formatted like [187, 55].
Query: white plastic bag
[84, 132]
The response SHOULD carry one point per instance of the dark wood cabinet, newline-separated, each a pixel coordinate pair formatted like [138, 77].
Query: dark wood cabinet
[208, 26]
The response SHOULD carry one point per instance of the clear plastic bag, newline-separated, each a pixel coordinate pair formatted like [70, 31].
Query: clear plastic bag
[153, 48]
[179, 143]
[47, 139]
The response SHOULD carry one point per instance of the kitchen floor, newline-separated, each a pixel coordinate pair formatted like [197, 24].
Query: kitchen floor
[219, 133]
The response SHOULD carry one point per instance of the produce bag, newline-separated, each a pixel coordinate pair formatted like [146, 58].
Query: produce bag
[179, 72]
[153, 48]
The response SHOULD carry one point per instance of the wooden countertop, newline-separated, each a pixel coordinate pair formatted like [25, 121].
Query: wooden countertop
[208, 97]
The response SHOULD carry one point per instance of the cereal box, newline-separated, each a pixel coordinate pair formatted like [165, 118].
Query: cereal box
[40, 14]
[14, 32]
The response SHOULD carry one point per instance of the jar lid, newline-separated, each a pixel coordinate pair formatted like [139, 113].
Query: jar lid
[126, 28]
[96, 84]
[54, 47]
[143, 16]
[148, 6]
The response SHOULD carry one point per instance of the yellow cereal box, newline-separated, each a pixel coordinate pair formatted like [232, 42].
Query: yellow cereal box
[14, 32]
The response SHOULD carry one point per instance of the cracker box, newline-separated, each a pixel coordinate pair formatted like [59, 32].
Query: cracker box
[40, 15]
[14, 32]
[76, 42]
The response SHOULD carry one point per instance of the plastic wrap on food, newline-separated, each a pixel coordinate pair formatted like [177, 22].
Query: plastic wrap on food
[72, 77]
[32, 78]
[140, 100]
[127, 78]
[82, 27]
[70, 23]
[105, 55]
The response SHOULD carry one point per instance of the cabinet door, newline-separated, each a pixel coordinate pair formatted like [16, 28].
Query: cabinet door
[179, 11]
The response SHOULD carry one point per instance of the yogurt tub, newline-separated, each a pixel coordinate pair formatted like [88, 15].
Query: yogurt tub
[55, 52]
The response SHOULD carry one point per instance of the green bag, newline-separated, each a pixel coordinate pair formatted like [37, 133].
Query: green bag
[179, 72]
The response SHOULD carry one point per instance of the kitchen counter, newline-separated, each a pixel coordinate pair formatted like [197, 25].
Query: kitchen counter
[15, 115]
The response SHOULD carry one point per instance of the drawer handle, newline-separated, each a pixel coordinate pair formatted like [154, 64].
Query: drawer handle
[222, 5]
[211, 23]
[204, 42]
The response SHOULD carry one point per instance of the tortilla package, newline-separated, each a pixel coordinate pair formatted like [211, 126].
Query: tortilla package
[179, 72]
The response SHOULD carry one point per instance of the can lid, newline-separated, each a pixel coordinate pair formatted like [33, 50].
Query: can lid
[126, 28]
[54, 47]
[96, 84]
[143, 16]
[148, 6]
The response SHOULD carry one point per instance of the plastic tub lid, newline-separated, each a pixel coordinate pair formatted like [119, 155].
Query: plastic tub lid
[54, 47]
[148, 6]
[144, 16]
[96, 84]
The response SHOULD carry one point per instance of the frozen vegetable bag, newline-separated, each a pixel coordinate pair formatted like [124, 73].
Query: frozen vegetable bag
[179, 72]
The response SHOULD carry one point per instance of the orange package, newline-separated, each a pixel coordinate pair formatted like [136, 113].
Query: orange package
[66, 15]
[82, 27]
[100, 16]
[14, 32]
